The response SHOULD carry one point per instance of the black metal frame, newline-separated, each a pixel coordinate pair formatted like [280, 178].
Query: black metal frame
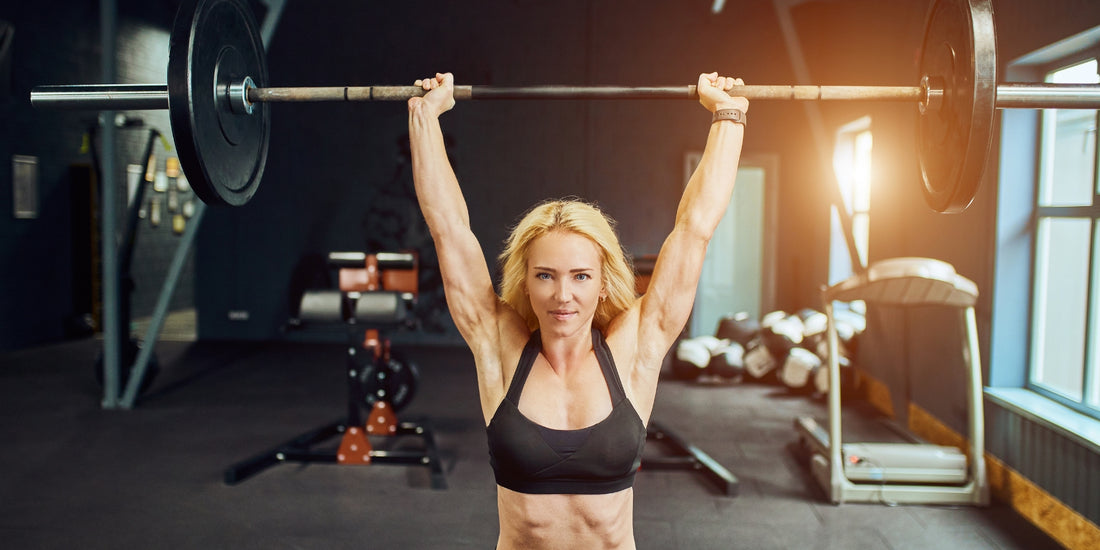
[299, 449]
[124, 272]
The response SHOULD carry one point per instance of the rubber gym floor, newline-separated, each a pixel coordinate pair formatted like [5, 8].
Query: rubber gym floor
[77, 476]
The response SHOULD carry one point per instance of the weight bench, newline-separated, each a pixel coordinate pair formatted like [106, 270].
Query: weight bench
[376, 292]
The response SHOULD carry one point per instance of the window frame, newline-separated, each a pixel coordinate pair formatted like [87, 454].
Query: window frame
[845, 143]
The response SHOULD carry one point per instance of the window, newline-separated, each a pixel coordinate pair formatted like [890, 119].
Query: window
[852, 165]
[1065, 296]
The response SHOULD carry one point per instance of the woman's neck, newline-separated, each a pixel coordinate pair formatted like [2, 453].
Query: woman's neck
[563, 352]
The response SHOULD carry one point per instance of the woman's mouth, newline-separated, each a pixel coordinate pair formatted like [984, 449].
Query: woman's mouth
[562, 315]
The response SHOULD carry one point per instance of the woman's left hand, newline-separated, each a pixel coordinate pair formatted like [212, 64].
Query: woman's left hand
[713, 92]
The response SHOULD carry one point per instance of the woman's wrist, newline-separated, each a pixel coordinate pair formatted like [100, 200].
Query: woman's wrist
[422, 111]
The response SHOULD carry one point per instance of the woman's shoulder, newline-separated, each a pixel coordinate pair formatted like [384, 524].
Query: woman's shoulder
[499, 344]
[496, 356]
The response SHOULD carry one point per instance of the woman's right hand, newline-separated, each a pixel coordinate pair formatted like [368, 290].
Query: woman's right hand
[440, 97]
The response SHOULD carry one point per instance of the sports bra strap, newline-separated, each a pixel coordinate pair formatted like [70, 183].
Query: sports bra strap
[530, 352]
[607, 365]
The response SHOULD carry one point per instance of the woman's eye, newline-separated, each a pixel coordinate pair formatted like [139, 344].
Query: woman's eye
[583, 276]
[543, 276]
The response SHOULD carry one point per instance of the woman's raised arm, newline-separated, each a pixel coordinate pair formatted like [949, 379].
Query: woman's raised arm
[666, 306]
[469, 288]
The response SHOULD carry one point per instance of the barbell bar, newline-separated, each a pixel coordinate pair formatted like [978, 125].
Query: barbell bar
[123, 97]
[217, 98]
[143, 96]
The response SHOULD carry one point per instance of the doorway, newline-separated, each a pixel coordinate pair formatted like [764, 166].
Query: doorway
[738, 272]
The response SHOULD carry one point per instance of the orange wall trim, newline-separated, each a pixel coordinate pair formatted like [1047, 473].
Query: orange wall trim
[876, 393]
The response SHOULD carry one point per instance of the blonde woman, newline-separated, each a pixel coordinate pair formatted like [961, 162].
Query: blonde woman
[568, 357]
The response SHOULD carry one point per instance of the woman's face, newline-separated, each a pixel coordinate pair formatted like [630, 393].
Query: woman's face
[564, 282]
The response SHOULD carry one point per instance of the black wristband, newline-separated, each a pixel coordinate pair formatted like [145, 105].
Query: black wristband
[735, 115]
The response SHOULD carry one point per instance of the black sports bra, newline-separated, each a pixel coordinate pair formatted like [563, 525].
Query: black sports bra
[530, 458]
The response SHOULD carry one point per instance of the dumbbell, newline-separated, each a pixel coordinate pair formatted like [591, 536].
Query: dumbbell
[813, 322]
[758, 360]
[769, 349]
[703, 355]
[692, 357]
[800, 366]
[728, 361]
[772, 318]
[820, 346]
[856, 322]
[739, 327]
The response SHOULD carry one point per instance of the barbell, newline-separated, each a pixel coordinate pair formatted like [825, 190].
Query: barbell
[217, 98]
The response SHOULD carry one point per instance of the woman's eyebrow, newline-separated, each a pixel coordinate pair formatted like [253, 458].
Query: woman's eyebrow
[552, 270]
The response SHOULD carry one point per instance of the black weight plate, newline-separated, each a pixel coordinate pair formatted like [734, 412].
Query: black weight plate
[960, 48]
[393, 381]
[215, 43]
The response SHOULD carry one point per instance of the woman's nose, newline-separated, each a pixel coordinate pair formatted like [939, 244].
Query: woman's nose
[562, 292]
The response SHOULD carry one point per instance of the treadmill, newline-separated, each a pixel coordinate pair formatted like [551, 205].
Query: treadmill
[901, 473]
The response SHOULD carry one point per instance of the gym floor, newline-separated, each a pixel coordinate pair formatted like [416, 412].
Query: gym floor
[78, 475]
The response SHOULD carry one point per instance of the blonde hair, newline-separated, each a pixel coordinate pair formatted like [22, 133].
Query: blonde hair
[583, 219]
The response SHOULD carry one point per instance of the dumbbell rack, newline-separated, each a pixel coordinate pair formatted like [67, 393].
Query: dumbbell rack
[912, 473]
[377, 308]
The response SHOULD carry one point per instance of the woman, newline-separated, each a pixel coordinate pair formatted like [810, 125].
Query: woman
[568, 357]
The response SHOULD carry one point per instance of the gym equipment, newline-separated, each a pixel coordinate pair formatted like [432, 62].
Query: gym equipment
[707, 355]
[217, 96]
[682, 454]
[222, 149]
[388, 379]
[759, 361]
[739, 327]
[690, 359]
[130, 352]
[813, 323]
[798, 368]
[771, 318]
[783, 335]
[685, 456]
[376, 291]
[901, 472]
[129, 348]
[322, 306]
[780, 334]
[728, 361]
